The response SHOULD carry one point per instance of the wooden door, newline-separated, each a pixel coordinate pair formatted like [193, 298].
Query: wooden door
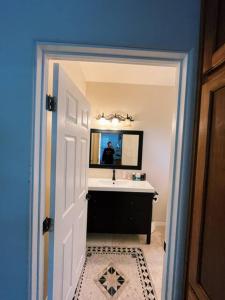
[214, 34]
[70, 143]
[207, 248]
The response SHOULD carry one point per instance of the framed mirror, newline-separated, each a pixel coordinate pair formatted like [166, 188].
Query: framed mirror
[116, 149]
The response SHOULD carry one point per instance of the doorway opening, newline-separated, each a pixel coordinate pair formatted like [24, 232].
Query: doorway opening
[150, 87]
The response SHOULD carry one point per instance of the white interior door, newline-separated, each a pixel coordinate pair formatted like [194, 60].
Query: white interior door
[70, 148]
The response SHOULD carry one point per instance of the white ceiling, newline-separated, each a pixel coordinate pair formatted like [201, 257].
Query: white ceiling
[129, 73]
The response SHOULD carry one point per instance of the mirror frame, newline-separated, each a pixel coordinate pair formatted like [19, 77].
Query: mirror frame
[127, 167]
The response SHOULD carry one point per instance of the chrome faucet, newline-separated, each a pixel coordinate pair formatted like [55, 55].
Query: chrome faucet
[114, 175]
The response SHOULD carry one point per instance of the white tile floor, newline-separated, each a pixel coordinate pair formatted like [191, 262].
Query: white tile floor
[154, 252]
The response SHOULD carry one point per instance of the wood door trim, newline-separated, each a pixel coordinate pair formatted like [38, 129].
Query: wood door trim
[200, 179]
[218, 56]
[191, 294]
[209, 34]
[198, 205]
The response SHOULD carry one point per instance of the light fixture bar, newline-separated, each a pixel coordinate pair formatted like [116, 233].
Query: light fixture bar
[110, 117]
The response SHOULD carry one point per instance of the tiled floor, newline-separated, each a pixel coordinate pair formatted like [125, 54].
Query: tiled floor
[154, 252]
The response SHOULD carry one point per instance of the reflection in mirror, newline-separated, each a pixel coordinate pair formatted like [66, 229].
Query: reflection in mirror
[116, 149]
[130, 150]
[95, 144]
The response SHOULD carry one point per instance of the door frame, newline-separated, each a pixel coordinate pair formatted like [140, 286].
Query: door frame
[179, 172]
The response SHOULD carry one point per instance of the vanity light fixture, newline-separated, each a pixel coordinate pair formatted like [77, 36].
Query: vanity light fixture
[115, 119]
[102, 120]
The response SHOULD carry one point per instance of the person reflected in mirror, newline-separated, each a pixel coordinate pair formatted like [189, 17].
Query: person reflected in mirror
[108, 154]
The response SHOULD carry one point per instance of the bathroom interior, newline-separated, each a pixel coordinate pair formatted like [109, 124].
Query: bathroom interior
[132, 115]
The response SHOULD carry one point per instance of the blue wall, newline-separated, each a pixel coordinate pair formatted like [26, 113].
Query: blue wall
[144, 24]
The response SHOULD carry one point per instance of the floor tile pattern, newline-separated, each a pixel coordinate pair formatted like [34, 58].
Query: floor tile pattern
[111, 281]
[107, 265]
[154, 253]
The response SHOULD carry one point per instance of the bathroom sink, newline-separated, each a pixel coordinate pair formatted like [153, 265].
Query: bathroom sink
[122, 185]
[109, 182]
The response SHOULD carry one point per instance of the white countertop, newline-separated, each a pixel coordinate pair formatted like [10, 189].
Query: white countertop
[119, 185]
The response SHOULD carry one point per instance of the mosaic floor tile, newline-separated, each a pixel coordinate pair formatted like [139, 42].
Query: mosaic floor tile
[115, 273]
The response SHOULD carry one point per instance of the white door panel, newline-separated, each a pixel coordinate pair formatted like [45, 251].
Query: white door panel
[70, 143]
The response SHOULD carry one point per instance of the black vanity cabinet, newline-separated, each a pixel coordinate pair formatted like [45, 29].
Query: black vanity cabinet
[120, 212]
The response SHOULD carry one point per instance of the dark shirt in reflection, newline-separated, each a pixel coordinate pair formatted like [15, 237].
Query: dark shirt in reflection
[107, 156]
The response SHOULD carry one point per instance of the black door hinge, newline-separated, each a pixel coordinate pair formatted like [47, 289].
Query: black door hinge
[47, 225]
[164, 246]
[88, 196]
[51, 103]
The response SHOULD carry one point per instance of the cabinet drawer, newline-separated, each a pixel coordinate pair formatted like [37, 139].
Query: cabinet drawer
[133, 203]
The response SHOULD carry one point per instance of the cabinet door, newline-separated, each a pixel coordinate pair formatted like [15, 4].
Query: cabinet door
[207, 247]
[214, 34]
[100, 218]
[132, 212]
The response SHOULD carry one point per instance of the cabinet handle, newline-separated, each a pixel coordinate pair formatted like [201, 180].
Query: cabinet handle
[155, 196]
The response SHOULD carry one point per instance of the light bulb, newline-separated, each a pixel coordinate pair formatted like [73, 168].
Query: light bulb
[102, 121]
[115, 121]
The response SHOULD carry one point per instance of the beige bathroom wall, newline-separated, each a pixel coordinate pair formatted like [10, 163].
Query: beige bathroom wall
[153, 108]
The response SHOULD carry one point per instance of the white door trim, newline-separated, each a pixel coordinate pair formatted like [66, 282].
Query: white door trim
[46, 51]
